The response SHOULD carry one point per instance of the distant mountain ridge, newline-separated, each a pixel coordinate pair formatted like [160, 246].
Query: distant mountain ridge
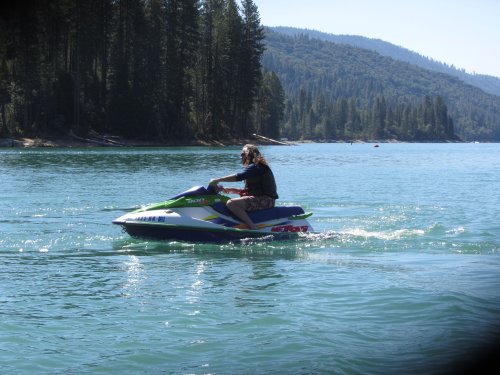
[487, 83]
[316, 74]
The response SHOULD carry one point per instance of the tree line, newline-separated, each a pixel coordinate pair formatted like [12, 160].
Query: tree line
[156, 69]
[342, 119]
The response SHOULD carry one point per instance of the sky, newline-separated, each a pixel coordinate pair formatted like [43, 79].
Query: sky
[462, 33]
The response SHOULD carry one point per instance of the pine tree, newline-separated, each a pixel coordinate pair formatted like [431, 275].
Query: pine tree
[181, 47]
[270, 106]
[250, 73]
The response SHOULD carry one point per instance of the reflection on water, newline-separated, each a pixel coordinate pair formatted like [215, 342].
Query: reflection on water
[134, 271]
[249, 250]
[113, 161]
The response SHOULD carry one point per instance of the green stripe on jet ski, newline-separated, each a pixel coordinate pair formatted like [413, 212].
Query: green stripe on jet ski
[300, 217]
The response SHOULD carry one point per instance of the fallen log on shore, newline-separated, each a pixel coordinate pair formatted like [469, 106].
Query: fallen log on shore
[270, 140]
[97, 139]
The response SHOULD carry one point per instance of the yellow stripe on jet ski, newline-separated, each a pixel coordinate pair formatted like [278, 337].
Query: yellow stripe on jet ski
[210, 217]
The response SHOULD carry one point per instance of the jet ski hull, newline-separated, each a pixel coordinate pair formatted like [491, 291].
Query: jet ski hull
[193, 234]
[194, 216]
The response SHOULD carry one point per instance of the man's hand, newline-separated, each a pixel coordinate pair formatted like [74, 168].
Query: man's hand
[231, 190]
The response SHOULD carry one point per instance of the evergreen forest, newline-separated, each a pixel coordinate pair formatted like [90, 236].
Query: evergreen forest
[183, 70]
[156, 69]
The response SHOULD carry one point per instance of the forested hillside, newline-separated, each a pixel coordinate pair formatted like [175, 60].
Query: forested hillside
[385, 97]
[485, 82]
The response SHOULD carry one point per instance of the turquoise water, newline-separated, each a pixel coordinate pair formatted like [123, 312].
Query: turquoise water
[403, 274]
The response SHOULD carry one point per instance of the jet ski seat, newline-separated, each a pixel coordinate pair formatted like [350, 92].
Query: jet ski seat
[263, 215]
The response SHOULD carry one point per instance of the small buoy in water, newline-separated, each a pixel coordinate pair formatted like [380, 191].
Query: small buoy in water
[375, 146]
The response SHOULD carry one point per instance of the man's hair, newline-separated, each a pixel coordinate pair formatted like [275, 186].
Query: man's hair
[255, 155]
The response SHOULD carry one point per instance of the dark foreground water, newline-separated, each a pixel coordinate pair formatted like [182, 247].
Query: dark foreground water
[403, 275]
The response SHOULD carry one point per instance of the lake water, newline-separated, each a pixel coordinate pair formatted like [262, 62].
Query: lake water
[402, 276]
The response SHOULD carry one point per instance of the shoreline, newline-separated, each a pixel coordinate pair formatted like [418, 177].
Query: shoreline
[70, 142]
[78, 142]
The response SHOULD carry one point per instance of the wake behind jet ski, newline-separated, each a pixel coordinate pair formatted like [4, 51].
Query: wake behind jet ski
[200, 215]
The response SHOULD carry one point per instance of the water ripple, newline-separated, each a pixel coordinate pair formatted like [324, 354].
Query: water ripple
[402, 274]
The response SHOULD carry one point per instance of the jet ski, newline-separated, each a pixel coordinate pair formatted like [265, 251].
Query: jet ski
[200, 215]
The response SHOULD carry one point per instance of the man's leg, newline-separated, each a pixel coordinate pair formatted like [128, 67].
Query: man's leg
[237, 207]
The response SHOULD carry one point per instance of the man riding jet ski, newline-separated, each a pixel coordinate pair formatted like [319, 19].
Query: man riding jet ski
[260, 187]
[201, 214]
